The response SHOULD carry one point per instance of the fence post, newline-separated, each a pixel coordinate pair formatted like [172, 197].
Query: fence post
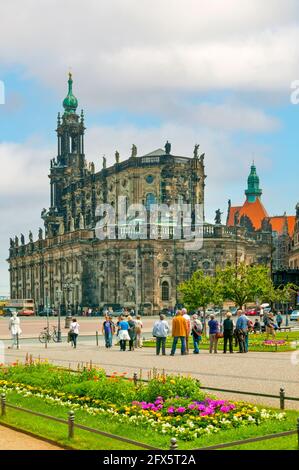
[71, 422]
[282, 398]
[173, 444]
[3, 404]
[135, 379]
[97, 338]
[298, 431]
[18, 346]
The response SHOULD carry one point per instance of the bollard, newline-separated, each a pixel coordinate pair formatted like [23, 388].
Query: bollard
[135, 379]
[97, 338]
[71, 423]
[173, 444]
[18, 346]
[282, 398]
[3, 404]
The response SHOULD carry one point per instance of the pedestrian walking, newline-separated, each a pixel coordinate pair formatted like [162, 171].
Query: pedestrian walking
[74, 332]
[188, 321]
[123, 334]
[279, 320]
[196, 331]
[213, 334]
[270, 326]
[132, 332]
[179, 332]
[14, 327]
[139, 326]
[160, 332]
[108, 331]
[228, 333]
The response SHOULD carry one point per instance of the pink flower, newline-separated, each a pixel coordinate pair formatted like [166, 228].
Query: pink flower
[181, 409]
[170, 409]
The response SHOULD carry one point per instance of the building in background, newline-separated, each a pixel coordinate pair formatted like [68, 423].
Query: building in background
[294, 247]
[69, 266]
[253, 215]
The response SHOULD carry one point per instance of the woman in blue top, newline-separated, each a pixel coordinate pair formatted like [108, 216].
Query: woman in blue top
[213, 333]
[123, 327]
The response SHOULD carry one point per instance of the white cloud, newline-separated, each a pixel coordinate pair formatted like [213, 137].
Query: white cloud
[129, 52]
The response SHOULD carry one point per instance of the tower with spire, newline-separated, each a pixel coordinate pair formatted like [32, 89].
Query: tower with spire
[70, 133]
[253, 190]
[69, 166]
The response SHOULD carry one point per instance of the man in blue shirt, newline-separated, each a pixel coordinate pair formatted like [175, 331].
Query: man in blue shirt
[242, 331]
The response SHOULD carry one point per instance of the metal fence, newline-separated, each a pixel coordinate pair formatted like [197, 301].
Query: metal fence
[71, 424]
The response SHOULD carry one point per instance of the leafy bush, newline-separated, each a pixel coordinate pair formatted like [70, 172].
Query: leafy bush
[118, 391]
[47, 375]
[171, 386]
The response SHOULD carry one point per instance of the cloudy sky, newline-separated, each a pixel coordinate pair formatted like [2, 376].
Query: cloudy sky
[212, 72]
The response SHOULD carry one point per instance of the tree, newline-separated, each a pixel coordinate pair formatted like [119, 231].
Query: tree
[200, 291]
[244, 284]
[283, 294]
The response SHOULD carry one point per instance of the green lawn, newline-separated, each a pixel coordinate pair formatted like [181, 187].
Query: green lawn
[255, 342]
[84, 440]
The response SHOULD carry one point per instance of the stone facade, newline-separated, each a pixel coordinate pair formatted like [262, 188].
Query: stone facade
[294, 246]
[142, 272]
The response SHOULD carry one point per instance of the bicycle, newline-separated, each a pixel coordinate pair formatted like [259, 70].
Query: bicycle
[46, 336]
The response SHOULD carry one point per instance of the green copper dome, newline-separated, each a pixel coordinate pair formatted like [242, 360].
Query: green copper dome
[70, 103]
[253, 189]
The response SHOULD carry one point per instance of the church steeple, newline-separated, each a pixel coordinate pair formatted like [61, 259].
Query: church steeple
[70, 103]
[253, 190]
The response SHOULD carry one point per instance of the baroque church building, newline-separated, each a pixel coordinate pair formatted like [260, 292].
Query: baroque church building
[69, 265]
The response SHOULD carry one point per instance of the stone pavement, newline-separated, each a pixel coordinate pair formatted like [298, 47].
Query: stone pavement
[13, 440]
[253, 372]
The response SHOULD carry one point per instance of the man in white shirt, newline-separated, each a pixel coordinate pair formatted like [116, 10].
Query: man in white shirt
[160, 332]
[15, 329]
[188, 321]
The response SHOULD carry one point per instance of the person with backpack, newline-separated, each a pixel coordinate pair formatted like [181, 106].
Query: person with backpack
[132, 332]
[196, 331]
[139, 326]
[160, 332]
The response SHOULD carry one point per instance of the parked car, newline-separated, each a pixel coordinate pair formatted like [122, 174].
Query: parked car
[252, 312]
[25, 313]
[233, 310]
[210, 311]
[294, 315]
[45, 312]
[267, 309]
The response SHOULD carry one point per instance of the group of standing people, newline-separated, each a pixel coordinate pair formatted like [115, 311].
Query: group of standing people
[126, 329]
[182, 327]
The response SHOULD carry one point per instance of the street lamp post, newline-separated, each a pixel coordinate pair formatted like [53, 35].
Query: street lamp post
[59, 297]
[68, 287]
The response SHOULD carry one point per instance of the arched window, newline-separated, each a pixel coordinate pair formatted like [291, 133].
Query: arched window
[150, 199]
[165, 290]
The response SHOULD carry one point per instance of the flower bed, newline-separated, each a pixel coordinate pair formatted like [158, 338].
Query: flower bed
[180, 410]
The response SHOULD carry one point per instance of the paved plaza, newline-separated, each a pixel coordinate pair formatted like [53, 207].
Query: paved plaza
[13, 440]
